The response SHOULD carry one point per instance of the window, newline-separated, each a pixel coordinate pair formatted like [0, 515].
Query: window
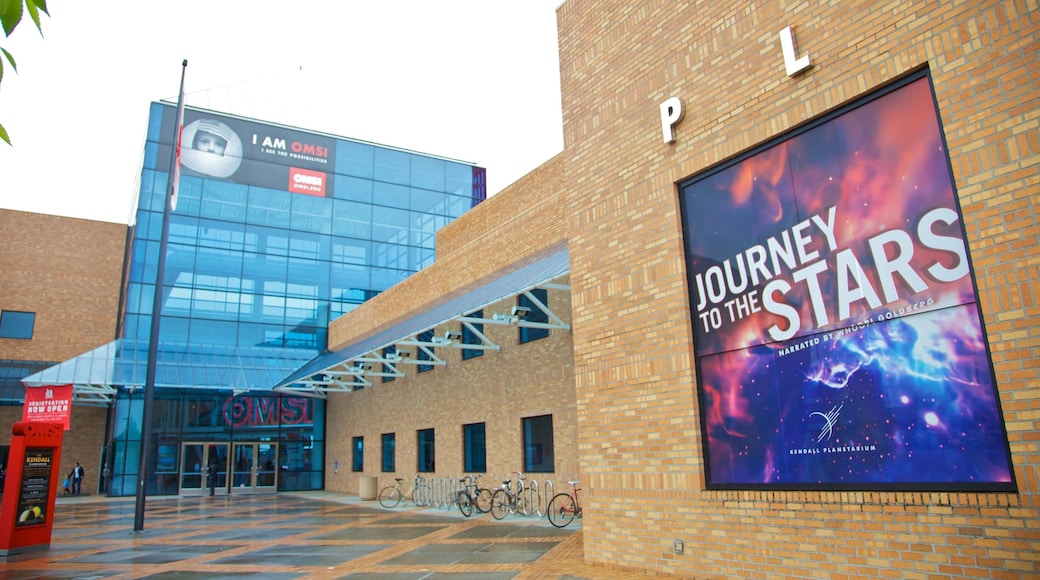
[538, 444]
[359, 454]
[389, 378]
[426, 336]
[474, 448]
[536, 314]
[426, 455]
[17, 324]
[470, 337]
[389, 460]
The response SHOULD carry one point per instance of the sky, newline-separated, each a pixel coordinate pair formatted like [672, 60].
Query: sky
[472, 80]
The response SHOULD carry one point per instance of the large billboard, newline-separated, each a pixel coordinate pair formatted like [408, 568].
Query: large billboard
[253, 153]
[837, 333]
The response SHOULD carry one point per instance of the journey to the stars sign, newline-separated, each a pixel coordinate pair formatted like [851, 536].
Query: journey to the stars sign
[837, 331]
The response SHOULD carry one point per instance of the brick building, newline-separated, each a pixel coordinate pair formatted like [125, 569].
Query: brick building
[63, 274]
[675, 116]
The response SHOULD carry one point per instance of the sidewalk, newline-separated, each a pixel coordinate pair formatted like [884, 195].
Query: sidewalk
[299, 536]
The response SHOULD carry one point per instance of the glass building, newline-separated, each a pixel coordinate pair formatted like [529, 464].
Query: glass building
[275, 232]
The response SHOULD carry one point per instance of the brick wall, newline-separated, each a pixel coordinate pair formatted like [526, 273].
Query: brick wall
[499, 389]
[68, 272]
[520, 224]
[639, 429]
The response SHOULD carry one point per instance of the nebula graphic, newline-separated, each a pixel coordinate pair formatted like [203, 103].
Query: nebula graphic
[837, 332]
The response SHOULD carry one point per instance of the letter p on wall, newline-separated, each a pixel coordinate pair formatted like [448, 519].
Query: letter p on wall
[671, 114]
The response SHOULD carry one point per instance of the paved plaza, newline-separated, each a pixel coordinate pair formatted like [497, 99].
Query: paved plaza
[298, 536]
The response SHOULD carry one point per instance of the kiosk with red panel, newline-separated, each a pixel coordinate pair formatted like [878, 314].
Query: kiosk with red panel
[31, 486]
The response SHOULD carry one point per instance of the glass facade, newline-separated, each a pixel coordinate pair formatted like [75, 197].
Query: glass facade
[275, 232]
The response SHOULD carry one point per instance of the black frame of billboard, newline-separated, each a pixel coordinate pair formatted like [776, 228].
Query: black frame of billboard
[930, 486]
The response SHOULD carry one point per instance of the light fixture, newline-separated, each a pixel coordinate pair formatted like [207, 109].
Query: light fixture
[521, 311]
[453, 335]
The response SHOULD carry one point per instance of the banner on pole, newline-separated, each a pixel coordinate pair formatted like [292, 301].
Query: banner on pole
[48, 404]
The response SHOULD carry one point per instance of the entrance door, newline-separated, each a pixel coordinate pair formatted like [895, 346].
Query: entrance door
[204, 468]
[253, 467]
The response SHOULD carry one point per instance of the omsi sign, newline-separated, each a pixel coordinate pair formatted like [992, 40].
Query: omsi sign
[267, 412]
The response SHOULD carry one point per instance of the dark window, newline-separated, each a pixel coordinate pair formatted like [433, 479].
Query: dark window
[426, 452]
[474, 450]
[17, 324]
[422, 354]
[359, 454]
[470, 337]
[388, 350]
[538, 444]
[389, 460]
[535, 314]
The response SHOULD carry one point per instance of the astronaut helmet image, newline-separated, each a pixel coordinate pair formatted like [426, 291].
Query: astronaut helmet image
[211, 147]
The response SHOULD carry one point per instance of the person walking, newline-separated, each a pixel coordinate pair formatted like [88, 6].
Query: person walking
[77, 478]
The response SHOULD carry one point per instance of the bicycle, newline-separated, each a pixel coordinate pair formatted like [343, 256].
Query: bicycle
[391, 495]
[506, 501]
[473, 495]
[564, 507]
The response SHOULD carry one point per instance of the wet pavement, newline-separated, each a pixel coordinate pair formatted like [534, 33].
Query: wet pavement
[298, 536]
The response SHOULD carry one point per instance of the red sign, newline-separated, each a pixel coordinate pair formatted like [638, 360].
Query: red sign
[49, 404]
[306, 181]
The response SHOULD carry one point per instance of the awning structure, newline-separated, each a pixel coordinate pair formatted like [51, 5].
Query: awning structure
[99, 374]
[379, 355]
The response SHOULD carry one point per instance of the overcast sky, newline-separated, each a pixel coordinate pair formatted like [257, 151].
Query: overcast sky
[474, 80]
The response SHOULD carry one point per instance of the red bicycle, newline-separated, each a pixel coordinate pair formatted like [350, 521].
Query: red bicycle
[564, 507]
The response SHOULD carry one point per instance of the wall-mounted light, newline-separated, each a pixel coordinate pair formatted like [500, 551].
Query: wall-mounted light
[521, 311]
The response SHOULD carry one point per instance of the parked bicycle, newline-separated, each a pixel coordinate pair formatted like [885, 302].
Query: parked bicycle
[472, 495]
[392, 495]
[564, 507]
[505, 500]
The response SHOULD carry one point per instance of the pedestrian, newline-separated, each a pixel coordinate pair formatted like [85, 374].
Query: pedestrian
[77, 478]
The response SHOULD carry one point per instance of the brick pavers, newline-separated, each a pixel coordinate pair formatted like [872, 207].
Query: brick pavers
[315, 536]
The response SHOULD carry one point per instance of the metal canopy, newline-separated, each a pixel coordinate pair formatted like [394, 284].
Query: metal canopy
[352, 366]
[97, 375]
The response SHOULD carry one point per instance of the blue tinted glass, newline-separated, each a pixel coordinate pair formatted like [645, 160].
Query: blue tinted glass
[308, 245]
[351, 219]
[312, 214]
[458, 179]
[17, 324]
[189, 194]
[428, 201]
[151, 154]
[223, 200]
[155, 116]
[172, 329]
[219, 234]
[212, 332]
[183, 230]
[456, 206]
[390, 195]
[391, 166]
[427, 172]
[354, 159]
[390, 225]
[269, 207]
[352, 188]
[349, 251]
[425, 258]
[424, 229]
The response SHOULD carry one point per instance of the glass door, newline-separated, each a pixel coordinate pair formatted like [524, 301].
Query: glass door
[242, 461]
[204, 468]
[254, 467]
[267, 466]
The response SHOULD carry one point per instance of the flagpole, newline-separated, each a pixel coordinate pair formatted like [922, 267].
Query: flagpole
[157, 302]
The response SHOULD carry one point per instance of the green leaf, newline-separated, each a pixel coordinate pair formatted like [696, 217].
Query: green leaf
[10, 15]
[10, 59]
[34, 13]
[3, 135]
